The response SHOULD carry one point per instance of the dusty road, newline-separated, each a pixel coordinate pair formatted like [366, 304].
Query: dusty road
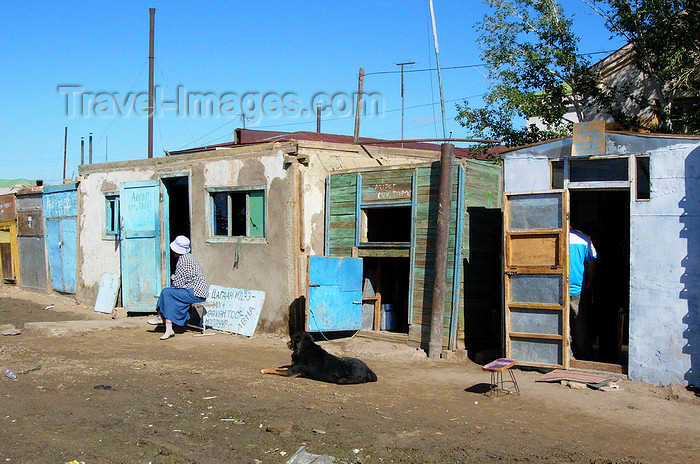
[202, 399]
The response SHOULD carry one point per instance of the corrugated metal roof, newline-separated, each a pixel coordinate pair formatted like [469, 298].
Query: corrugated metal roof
[251, 137]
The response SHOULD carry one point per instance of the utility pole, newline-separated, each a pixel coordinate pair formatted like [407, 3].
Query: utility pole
[358, 110]
[151, 59]
[402, 65]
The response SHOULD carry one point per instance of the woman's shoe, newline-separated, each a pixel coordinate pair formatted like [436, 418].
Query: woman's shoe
[167, 335]
[155, 320]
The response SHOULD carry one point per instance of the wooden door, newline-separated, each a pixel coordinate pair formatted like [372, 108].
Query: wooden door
[536, 278]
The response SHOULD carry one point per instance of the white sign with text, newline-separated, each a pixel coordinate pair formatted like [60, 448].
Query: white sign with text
[235, 310]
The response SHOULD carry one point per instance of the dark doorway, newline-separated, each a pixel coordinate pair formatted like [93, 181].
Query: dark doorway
[178, 214]
[390, 278]
[604, 215]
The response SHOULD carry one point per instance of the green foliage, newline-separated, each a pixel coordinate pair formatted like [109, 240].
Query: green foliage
[535, 69]
[666, 43]
[532, 61]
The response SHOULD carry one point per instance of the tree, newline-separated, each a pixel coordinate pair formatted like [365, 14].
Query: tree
[532, 61]
[666, 48]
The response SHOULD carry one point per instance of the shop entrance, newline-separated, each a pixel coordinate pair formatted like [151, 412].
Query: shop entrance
[177, 214]
[604, 215]
[388, 277]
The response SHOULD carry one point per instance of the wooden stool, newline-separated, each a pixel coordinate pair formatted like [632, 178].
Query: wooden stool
[496, 369]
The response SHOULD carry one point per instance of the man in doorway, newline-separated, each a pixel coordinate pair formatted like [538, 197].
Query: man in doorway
[582, 255]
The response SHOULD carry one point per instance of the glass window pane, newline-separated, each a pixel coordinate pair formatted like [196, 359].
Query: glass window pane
[256, 216]
[536, 288]
[539, 351]
[598, 170]
[557, 174]
[535, 321]
[643, 178]
[238, 214]
[542, 211]
[221, 219]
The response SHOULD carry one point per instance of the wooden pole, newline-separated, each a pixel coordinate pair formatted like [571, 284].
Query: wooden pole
[358, 110]
[151, 59]
[65, 145]
[447, 153]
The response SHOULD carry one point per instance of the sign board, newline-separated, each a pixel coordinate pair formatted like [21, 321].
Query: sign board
[589, 138]
[234, 310]
[107, 294]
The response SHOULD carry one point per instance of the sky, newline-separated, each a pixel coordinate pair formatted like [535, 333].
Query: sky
[220, 65]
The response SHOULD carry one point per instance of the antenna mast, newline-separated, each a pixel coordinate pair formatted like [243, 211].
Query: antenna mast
[437, 58]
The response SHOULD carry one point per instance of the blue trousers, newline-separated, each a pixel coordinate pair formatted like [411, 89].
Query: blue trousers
[174, 304]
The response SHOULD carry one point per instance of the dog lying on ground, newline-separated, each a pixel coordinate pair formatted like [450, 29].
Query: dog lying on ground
[313, 362]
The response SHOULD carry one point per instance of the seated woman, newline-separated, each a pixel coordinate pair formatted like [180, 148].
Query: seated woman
[188, 286]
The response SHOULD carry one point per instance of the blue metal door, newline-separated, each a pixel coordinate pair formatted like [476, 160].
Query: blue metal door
[61, 220]
[335, 294]
[140, 245]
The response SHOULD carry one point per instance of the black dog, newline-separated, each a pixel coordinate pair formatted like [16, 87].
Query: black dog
[313, 362]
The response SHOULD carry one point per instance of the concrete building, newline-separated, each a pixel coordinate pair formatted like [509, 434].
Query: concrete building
[254, 210]
[641, 200]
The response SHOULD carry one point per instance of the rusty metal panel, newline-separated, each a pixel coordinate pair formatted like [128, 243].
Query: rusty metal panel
[32, 264]
[8, 209]
[30, 223]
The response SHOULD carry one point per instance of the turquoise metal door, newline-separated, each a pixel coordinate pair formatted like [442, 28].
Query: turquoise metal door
[61, 221]
[335, 294]
[140, 245]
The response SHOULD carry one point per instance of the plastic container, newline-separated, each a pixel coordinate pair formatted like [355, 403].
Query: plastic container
[11, 374]
[387, 320]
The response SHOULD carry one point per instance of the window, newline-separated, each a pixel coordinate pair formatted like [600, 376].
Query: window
[238, 213]
[589, 170]
[390, 224]
[642, 178]
[112, 214]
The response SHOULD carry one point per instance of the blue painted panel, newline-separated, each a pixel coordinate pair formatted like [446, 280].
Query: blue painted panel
[344, 272]
[60, 201]
[69, 253]
[53, 250]
[60, 205]
[140, 245]
[335, 293]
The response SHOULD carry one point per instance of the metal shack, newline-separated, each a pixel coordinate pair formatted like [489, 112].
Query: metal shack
[639, 201]
[9, 257]
[253, 209]
[30, 236]
[387, 216]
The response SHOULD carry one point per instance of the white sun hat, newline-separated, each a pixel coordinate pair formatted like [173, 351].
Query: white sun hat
[180, 245]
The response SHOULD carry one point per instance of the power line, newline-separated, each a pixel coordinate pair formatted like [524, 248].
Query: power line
[466, 66]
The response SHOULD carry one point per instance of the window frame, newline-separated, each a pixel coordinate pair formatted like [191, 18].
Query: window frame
[260, 192]
[111, 227]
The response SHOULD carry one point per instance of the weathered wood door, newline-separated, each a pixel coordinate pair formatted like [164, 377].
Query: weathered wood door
[140, 245]
[335, 294]
[61, 223]
[536, 278]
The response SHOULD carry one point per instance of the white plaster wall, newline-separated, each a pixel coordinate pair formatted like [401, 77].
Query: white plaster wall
[665, 267]
[664, 246]
[98, 254]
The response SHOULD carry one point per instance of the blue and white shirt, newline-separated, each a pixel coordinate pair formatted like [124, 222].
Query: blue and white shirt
[188, 274]
[581, 251]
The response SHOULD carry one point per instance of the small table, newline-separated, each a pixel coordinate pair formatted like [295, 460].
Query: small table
[498, 385]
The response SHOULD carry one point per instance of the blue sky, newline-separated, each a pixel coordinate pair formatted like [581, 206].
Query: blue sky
[84, 65]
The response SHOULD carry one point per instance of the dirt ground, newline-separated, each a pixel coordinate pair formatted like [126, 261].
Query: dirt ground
[120, 395]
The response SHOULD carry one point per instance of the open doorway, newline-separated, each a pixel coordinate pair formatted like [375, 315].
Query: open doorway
[604, 215]
[178, 214]
[389, 277]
